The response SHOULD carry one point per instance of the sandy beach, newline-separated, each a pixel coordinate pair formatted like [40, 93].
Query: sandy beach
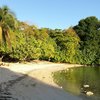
[32, 81]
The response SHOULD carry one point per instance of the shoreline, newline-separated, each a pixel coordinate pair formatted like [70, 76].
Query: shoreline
[41, 74]
[41, 70]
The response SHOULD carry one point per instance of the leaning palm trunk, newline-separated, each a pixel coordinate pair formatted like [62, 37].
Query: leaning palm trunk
[5, 38]
[1, 56]
[8, 40]
[0, 34]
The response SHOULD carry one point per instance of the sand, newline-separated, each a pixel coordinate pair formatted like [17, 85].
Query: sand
[33, 81]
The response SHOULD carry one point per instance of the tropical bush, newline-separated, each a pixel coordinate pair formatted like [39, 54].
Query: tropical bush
[21, 41]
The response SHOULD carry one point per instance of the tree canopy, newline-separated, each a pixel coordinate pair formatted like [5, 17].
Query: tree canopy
[89, 33]
[21, 41]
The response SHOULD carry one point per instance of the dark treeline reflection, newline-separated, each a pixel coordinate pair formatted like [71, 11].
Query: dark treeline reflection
[74, 79]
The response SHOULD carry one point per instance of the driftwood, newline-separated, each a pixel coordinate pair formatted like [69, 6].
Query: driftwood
[4, 64]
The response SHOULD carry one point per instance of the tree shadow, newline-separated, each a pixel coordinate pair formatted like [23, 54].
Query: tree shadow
[17, 86]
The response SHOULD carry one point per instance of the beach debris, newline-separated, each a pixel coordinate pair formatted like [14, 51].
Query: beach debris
[85, 90]
[89, 93]
[61, 87]
[86, 86]
[4, 64]
[43, 77]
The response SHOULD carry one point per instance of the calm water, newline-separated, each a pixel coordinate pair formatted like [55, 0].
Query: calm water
[73, 80]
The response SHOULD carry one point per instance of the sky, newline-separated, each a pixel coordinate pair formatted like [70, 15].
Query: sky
[53, 14]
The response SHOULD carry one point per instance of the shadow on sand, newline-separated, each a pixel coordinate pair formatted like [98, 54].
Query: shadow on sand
[17, 86]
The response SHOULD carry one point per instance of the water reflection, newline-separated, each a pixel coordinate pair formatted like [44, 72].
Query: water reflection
[74, 80]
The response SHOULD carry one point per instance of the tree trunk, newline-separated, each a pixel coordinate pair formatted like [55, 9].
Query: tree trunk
[1, 59]
[0, 34]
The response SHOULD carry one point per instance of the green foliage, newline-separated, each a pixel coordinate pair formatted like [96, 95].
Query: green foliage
[26, 47]
[67, 44]
[7, 23]
[89, 33]
[47, 49]
[21, 41]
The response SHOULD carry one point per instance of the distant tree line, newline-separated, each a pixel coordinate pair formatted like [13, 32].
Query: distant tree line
[20, 41]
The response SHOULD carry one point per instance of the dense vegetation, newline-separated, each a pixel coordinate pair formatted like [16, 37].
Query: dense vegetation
[20, 41]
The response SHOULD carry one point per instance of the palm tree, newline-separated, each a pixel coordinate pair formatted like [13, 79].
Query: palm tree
[7, 23]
